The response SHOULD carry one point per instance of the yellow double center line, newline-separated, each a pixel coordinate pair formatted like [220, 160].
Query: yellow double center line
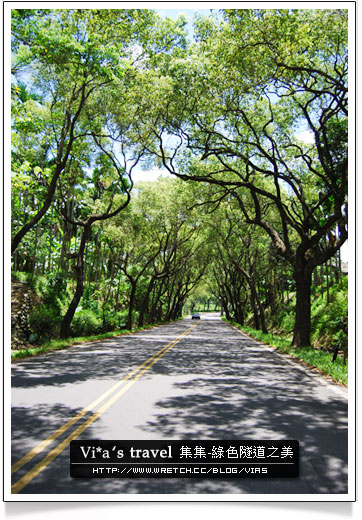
[133, 376]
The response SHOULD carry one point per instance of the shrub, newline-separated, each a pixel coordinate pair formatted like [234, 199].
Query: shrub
[90, 299]
[282, 319]
[113, 320]
[329, 322]
[44, 323]
[287, 321]
[20, 276]
[54, 291]
[85, 323]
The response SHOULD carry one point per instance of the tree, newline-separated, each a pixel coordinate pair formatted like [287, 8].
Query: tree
[72, 58]
[118, 198]
[156, 244]
[256, 80]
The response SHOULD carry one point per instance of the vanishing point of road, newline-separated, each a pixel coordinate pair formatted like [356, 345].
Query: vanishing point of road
[188, 380]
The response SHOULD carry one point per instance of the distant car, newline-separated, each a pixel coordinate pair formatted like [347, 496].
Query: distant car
[195, 316]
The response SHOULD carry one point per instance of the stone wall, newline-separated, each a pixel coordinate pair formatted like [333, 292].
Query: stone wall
[22, 301]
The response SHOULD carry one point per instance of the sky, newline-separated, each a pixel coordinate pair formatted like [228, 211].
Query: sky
[149, 175]
[174, 13]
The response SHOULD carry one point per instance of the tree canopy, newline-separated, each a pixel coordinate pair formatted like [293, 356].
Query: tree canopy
[254, 81]
[249, 118]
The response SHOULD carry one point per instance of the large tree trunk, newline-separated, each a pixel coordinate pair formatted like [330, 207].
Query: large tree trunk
[302, 326]
[67, 320]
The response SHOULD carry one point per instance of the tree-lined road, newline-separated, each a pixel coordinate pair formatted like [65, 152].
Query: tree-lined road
[212, 383]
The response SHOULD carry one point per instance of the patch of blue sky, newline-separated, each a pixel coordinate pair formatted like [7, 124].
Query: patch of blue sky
[188, 13]
[151, 175]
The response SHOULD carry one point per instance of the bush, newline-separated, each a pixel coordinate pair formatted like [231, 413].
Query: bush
[85, 323]
[54, 291]
[287, 320]
[329, 322]
[44, 323]
[90, 299]
[113, 320]
[20, 276]
[283, 317]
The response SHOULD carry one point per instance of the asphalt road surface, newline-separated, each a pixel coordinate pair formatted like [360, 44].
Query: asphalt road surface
[212, 383]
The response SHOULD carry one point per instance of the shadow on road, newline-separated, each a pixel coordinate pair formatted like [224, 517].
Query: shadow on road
[233, 388]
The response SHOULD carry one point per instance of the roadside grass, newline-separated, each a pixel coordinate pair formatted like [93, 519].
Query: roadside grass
[61, 344]
[313, 357]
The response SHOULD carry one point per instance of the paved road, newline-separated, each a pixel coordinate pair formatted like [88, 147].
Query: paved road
[214, 383]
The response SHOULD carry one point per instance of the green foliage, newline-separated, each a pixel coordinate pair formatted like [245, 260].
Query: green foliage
[86, 323]
[112, 320]
[282, 319]
[54, 293]
[316, 358]
[227, 108]
[287, 318]
[44, 322]
[329, 322]
[20, 276]
[89, 302]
